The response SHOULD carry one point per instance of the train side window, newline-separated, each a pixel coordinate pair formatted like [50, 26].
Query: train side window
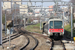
[51, 24]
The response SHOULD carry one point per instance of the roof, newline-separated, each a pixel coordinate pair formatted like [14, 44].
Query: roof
[55, 20]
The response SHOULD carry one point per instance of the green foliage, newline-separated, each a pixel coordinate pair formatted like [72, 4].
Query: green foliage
[3, 19]
[74, 32]
[74, 21]
[29, 21]
[68, 29]
[34, 28]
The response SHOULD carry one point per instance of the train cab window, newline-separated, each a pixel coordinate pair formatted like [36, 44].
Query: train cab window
[57, 24]
[51, 24]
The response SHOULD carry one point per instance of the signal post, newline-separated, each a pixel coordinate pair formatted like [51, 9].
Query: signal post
[0, 22]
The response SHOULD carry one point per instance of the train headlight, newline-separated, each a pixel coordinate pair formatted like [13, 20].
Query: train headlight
[51, 30]
[61, 30]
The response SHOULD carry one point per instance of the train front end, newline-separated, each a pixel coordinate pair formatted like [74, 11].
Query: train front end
[55, 29]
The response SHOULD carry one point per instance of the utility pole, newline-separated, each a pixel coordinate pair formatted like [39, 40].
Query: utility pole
[24, 21]
[15, 13]
[41, 16]
[71, 21]
[5, 23]
[63, 20]
[0, 22]
[12, 15]
[10, 27]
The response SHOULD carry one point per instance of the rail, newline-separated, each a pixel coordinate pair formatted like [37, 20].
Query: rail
[53, 43]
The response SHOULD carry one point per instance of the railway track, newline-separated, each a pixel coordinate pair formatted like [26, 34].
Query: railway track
[8, 36]
[32, 42]
[57, 45]
[4, 40]
[28, 41]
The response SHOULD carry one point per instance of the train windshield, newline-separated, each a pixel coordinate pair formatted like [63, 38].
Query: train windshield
[57, 24]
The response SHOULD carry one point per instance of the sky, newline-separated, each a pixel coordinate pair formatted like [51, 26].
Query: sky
[45, 4]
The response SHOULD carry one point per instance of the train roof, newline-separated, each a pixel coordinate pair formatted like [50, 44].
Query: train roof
[56, 20]
[53, 20]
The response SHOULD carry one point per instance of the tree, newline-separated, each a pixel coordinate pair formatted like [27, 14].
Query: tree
[3, 17]
[73, 1]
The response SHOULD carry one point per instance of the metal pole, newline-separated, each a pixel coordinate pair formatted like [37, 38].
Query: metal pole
[24, 21]
[40, 19]
[44, 14]
[56, 6]
[21, 19]
[0, 22]
[71, 21]
[12, 15]
[5, 22]
[15, 14]
[40, 22]
[34, 1]
[41, 16]
[10, 28]
[9, 37]
[63, 20]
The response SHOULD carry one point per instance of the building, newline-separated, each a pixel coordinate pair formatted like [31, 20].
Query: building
[13, 0]
[29, 3]
[51, 8]
[65, 9]
[23, 11]
[18, 2]
[15, 9]
[15, 5]
[7, 5]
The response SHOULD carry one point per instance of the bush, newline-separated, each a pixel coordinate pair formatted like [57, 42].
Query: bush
[74, 21]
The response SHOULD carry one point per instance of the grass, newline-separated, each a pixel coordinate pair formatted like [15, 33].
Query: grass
[68, 29]
[34, 28]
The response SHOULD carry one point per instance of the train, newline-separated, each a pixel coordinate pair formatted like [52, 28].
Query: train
[54, 28]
